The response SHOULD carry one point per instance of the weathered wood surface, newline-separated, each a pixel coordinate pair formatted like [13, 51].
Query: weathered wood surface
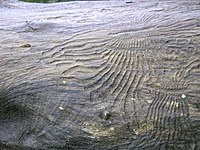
[100, 75]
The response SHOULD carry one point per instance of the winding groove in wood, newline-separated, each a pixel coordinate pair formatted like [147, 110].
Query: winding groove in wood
[139, 56]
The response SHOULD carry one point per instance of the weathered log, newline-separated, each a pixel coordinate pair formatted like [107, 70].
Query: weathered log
[100, 75]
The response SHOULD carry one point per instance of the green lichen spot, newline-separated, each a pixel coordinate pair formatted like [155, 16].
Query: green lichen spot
[143, 128]
[97, 130]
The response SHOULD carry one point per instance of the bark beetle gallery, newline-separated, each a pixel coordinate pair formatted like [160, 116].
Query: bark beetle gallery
[100, 75]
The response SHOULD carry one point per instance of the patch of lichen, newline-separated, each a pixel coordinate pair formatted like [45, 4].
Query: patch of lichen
[143, 128]
[97, 130]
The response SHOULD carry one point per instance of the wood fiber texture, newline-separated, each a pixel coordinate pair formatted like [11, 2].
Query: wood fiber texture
[100, 75]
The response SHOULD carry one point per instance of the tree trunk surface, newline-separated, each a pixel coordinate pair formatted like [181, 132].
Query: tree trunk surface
[100, 75]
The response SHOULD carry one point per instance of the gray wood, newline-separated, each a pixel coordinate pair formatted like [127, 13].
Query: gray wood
[100, 75]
